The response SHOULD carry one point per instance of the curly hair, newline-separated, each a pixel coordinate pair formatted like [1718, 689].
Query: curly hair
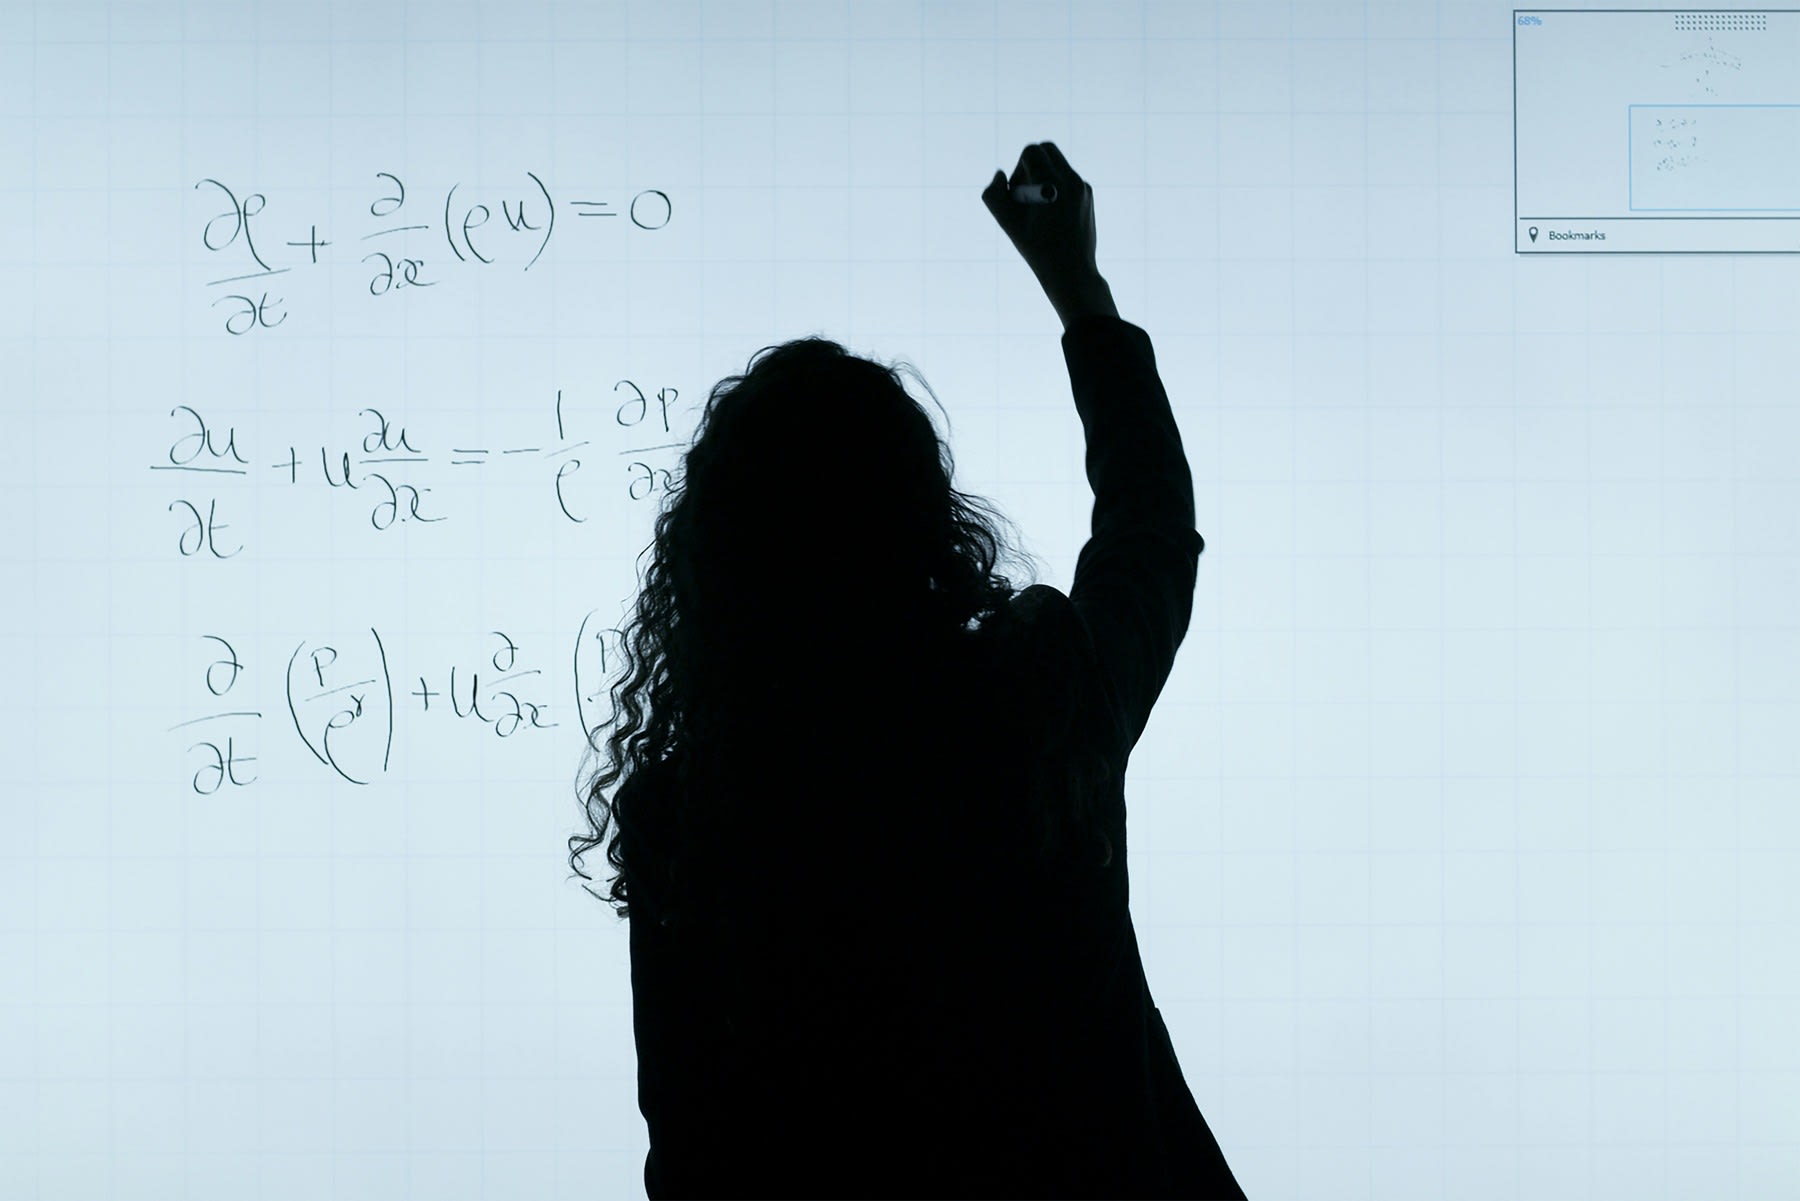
[742, 534]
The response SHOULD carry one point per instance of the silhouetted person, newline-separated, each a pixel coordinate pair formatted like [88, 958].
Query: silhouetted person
[871, 826]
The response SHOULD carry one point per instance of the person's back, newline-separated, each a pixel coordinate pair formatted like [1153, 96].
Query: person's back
[918, 999]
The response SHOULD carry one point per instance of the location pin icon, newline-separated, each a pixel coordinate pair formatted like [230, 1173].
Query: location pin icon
[1533, 232]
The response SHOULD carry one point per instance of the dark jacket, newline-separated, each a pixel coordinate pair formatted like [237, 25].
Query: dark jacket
[915, 997]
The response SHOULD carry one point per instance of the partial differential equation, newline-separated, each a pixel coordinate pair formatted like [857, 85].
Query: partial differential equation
[471, 234]
[350, 702]
[390, 465]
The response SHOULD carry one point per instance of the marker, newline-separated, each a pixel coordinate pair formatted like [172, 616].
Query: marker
[1034, 193]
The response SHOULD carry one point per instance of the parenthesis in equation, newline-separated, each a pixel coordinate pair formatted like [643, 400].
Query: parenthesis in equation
[548, 228]
[581, 697]
[323, 754]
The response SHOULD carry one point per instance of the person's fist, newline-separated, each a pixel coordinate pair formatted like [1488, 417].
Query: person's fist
[1056, 239]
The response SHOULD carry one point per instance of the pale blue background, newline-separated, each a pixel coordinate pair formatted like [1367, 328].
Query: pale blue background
[1463, 839]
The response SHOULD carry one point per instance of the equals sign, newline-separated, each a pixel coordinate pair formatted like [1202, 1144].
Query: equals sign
[591, 204]
[455, 450]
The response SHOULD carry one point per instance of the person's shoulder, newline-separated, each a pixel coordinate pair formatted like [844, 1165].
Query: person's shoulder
[1016, 634]
[1049, 622]
[1033, 613]
[1040, 600]
[1044, 650]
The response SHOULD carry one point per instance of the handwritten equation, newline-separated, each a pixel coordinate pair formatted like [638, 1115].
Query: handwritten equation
[1675, 142]
[345, 702]
[473, 240]
[1722, 158]
[385, 471]
[1707, 66]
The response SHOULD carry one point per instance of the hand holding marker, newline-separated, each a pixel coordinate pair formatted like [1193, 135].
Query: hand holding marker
[1047, 211]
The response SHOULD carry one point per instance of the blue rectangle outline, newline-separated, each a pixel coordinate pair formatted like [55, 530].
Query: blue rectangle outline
[1631, 175]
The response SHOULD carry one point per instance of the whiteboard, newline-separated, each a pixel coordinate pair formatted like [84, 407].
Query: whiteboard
[1463, 837]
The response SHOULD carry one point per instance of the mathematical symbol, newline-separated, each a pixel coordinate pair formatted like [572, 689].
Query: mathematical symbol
[312, 243]
[382, 233]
